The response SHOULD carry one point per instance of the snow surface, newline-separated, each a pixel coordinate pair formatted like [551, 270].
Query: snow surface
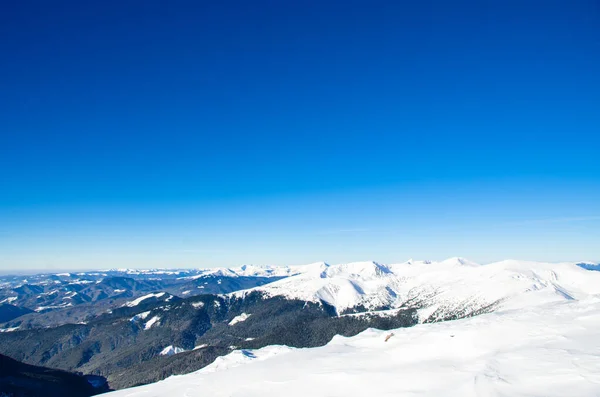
[547, 350]
[151, 322]
[140, 316]
[10, 299]
[246, 271]
[139, 300]
[171, 351]
[11, 329]
[61, 306]
[240, 357]
[239, 319]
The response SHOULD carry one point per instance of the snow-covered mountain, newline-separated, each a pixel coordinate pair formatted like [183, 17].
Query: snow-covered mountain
[246, 271]
[522, 329]
[446, 286]
[452, 288]
[164, 333]
[550, 350]
[73, 297]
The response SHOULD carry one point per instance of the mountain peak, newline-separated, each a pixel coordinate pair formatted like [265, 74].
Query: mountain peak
[368, 269]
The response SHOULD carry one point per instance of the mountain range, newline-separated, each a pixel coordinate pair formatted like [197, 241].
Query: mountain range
[139, 327]
[547, 350]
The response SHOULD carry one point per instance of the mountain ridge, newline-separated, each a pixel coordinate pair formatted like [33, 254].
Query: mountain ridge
[305, 309]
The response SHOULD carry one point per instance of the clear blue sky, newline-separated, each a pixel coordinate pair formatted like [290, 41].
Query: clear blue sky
[150, 133]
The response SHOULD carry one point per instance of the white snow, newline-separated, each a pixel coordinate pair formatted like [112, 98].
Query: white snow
[200, 346]
[439, 288]
[151, 322]
[171, 350]
[143, 298]
[11, 329]
[548, 350]
[78, 282]
[140, 316]
[541, 340]
[264, 271]
[239, 319]
[61, 306]
[240, 357]
[10, 299]
[197, 305]
[245, 271]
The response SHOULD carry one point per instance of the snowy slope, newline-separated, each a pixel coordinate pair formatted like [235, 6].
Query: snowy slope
[139, 300]
[552, 349]
[238, 319]
[454, 287]
[171, 351]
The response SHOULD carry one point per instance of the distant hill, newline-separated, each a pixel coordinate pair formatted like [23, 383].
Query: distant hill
[10, 312]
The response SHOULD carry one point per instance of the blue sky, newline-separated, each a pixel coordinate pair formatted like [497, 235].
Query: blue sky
[153, 134]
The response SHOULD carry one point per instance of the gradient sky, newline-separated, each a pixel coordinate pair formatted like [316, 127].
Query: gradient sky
[159, 134]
